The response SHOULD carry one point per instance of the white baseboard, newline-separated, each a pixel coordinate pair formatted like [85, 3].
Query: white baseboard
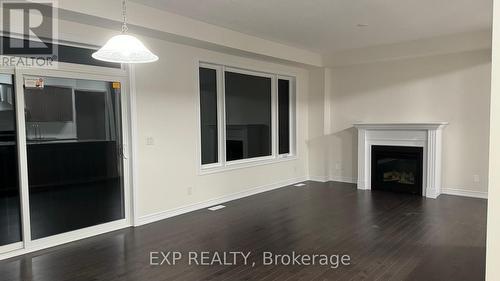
[318, 178]
[220, 200]
[464, 192]
[333, 178]
[343, 179]
[216, 201]
[448, 191]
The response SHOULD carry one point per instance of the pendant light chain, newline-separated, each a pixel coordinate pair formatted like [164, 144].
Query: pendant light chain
[124, 15]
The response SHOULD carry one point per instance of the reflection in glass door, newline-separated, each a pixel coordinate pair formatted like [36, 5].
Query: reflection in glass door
[73, 139]
[10, 211]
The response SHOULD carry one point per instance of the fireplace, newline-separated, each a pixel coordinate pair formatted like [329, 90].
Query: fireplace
[427, 136]
[397, 168]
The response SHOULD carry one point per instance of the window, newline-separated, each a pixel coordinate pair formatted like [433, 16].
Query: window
[245, 116]
[248, 116]
[208, 115]
[284, 116]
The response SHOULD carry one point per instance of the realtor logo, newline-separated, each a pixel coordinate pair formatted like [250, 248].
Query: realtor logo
[29, 30]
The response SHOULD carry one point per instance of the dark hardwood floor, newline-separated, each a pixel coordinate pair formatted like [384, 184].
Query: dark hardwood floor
[388, 237]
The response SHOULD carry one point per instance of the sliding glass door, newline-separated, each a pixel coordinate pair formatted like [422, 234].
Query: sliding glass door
[63, 157]
[73, 139]
[10, 207]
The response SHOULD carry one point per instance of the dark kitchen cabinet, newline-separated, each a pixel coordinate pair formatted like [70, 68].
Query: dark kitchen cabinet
[90, 115]
[71, 162]
[50, 104]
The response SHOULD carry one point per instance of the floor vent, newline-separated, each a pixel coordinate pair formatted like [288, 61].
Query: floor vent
[215, 208]
[300, 184]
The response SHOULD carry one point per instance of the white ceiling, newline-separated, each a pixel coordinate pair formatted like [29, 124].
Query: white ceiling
[328, 26]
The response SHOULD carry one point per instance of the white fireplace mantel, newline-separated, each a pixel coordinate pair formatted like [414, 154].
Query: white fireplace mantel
[425, 135]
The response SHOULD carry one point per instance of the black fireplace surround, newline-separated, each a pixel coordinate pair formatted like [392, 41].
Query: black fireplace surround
[397, 168]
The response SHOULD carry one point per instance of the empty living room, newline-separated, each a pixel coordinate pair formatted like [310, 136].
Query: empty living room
[249, 140]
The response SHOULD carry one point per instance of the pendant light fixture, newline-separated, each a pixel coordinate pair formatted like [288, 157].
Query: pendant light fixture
[124, 48]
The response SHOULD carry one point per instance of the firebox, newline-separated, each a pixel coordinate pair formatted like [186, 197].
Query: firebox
[397, 168]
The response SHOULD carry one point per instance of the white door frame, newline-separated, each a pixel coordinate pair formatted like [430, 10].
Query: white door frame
[70, 71]
[16, 245]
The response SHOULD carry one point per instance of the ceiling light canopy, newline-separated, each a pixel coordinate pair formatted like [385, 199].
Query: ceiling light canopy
[124, 48]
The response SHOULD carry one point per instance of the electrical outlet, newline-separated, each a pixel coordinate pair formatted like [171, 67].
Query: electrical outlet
[190, 190]
[476, 178]
[150, 141]
[338, 167]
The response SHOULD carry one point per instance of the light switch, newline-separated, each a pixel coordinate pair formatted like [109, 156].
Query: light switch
[150, 141]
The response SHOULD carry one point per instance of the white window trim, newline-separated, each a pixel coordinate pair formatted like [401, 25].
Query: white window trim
[224, 165]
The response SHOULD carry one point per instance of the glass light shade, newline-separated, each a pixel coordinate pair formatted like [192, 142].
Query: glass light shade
[124, 48]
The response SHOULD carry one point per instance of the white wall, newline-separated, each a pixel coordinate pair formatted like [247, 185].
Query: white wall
[167, 104]
[167, 111]
[453, 88]
[493, 232]
[423, 47]
[317, 144]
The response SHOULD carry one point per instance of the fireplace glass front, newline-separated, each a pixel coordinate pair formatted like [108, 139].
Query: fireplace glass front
[397, 168]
